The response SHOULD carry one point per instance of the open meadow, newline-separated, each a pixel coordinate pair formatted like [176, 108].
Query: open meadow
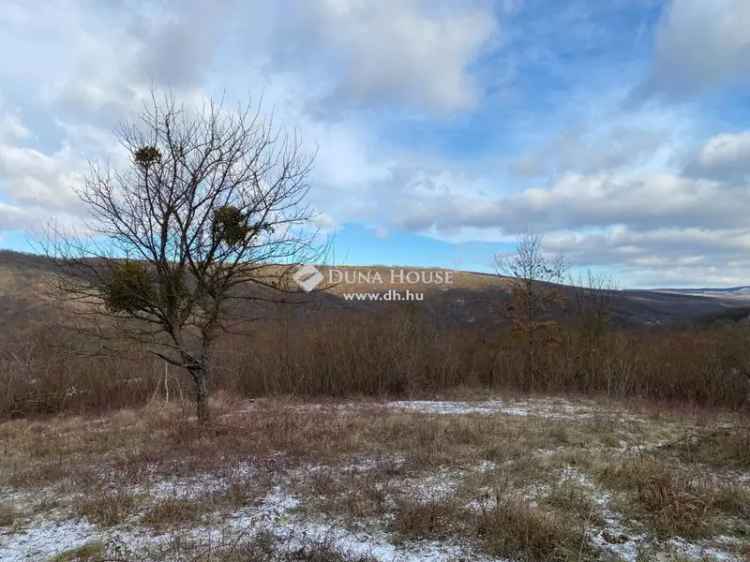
[477, 478]
[358, 281]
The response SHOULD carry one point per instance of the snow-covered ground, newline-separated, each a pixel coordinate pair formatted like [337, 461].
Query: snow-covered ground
[559, 409]
[44, 538]
[286, 513]
[551, 408]
[41, 538]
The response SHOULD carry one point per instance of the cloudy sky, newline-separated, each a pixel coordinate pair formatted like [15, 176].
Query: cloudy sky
[619, 130]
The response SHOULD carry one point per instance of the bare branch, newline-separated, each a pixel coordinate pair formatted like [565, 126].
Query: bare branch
[210, 211]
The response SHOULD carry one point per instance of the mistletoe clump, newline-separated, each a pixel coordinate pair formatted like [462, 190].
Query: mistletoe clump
[147, 155]
[129, 287]
[230, 225]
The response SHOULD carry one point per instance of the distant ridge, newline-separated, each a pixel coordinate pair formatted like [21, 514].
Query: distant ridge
[743, 290]
[473, 298]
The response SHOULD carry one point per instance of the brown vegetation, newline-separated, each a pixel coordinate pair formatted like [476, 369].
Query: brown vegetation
[394, 352]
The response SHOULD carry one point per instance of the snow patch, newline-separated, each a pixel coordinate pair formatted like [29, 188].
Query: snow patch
[546, 408]
[45, 539]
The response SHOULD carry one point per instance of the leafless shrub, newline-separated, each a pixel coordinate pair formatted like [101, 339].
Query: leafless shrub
[535, 291]
[390, 352]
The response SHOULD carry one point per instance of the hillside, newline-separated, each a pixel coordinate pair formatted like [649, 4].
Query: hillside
[469, 298]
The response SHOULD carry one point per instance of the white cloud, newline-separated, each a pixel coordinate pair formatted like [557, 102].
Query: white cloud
[654, 228]
[11, 128]
[701, 45]
[324, 222]
[35, 185]
[411, 54]
[574, 200]
[398, 51]
[725, 155]
[30, 176]
[354, 77]
[13, 217]
[662, 256]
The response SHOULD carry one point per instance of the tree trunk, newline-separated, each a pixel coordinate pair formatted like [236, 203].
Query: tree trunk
[200, 378]
[529, 366]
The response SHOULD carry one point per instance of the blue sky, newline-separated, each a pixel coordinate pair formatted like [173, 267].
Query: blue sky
[618, 130]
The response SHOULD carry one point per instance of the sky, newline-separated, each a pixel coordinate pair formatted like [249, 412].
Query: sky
[444, 130]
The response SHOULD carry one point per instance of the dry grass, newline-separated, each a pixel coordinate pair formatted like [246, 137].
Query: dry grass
[510, 528]
[674, 500]
[8, 515]
[106, 509]
[721, 447]
[175, 512]
[90, 552]
[525, 488]
[570, 497]
[514, 529]
[263, 547]
[431, 520]
[355, 496]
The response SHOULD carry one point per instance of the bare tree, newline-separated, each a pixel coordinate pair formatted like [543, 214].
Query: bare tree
[593, 299]
[209, 212]
[535, 291]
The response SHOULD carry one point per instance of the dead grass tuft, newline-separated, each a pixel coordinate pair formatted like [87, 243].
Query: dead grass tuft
[90, 552]
[512, 528]
[727, 447]
[8, 515]
[107, 509]
[569, 497]
[174, 512]
[263, 547]
[426, 520]
[674, 502]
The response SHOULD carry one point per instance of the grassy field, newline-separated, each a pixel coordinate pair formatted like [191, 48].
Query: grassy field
[491, 478]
